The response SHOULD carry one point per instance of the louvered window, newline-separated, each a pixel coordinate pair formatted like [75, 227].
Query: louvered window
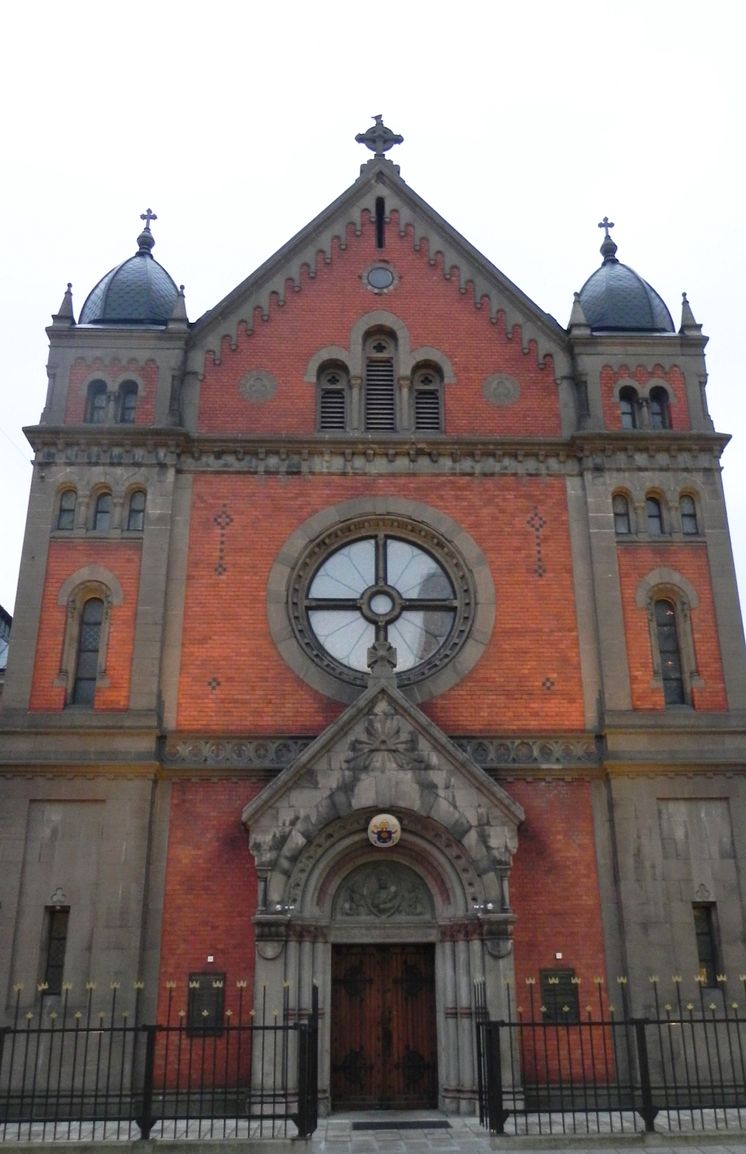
[333, 402]
[379, 395]
[428, 415]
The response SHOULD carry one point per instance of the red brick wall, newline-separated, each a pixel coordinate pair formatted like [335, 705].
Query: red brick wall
[323, 312]
[211, 889]
[225, 632]
[690, 559]
[554, 886]
[65, 558]
[113, 371]
[673, 378]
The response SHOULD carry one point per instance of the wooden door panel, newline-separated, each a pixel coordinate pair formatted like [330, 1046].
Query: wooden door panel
[383, 1040]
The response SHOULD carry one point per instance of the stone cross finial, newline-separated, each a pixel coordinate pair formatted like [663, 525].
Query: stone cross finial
[379, 139]
[147, 216]
[606, 224]
[382, 659]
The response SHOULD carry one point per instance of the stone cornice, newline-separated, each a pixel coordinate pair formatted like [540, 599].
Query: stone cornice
[356, 455]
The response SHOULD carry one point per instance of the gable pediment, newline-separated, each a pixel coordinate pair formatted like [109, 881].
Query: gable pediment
[383, 754]
[294, 266]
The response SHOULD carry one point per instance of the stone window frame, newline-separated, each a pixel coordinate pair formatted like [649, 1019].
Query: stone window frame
[690, 495]
[630, 512]
[62, 493]
[318, 535]
[97, 493]
[135, 491]
[666, 584]
[94, 413]
[655, 495]
[627, 392]
[128, 387]
[89, 582]
[324, 384]
[421, 371]
[407, 359]
[643, 395]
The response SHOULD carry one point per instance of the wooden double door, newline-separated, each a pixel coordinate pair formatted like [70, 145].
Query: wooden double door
[383, 1034]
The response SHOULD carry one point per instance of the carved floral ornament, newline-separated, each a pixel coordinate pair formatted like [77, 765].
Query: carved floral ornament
[387, 743]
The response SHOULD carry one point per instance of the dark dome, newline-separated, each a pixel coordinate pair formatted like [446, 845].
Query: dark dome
[137, 292]
[616, 299]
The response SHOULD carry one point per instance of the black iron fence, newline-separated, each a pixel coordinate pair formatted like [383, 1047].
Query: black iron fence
[78, 1072]
[567, 1068]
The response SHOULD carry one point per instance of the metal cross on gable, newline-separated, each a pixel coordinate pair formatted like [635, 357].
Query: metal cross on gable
[379, 139]
[606, 224]
[147, 216]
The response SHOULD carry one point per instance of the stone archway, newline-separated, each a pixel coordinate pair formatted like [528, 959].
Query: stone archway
[308, 832]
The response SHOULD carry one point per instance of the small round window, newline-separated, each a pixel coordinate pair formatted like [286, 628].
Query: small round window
[380, 277]
[393, 580]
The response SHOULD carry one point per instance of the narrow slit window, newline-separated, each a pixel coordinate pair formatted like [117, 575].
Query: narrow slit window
[669, 650]
[708, 945]
[58, 918]
[380, 222]
[89, 644]
[628, 405]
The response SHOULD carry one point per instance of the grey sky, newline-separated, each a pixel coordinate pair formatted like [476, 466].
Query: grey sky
[523, 125]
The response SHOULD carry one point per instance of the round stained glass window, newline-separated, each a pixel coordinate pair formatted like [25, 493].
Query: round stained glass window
[396, 581]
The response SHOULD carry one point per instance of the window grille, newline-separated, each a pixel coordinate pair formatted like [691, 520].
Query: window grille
[89, 641]
[670, 653]
[708, 946]
[559, 995]
[205, 1011]
[57, 923]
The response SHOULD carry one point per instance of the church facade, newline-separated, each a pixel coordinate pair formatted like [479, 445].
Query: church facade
[373, 631]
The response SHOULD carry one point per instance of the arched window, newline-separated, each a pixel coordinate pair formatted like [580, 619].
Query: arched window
[333, 400]
[669, 650]
[628, 407]
[96, 403]
[87, 658]
[66, 510]
[688, 512]
[427, 401]
[622, 517]
[102, 512]
[654, 514]
[380, 383]
[660, 410]
[127, 403]
[136, 512]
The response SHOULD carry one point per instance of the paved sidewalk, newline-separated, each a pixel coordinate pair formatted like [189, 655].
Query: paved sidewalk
[447, 1134]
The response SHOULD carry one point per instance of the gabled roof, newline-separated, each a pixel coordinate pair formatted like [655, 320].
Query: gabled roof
[377, 176]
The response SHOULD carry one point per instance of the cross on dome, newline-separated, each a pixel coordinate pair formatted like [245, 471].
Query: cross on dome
[147, 216]
[605, 224]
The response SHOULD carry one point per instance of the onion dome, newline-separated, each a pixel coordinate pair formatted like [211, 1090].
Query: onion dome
[617, 299]
[137, 292]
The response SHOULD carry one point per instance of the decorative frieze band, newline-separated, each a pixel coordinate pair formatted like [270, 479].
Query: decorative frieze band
[489, 753]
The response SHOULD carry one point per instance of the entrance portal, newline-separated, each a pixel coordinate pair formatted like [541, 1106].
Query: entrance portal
[383, 1037]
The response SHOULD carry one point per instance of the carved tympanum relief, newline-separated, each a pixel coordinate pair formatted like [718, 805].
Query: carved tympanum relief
[382, 892]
